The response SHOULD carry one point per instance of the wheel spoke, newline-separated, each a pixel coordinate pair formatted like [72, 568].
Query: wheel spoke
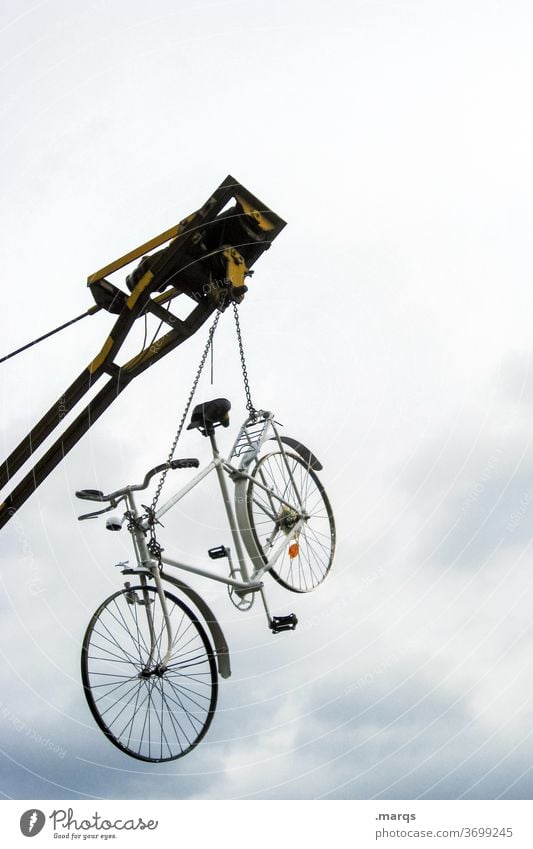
[113, 641]
[293, 482]
[151, 714]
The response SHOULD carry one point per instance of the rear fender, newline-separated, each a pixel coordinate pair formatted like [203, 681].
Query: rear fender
[304, 452]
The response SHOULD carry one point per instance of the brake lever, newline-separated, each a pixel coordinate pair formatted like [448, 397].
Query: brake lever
[97, 512]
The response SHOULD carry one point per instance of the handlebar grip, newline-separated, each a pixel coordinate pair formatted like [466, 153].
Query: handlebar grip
[186, 463]
[90, 494]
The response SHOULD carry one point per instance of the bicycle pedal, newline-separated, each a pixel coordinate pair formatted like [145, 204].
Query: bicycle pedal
[283, 623]
[218, 552]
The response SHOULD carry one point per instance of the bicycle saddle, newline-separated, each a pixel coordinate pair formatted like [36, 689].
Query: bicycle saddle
[210, 414]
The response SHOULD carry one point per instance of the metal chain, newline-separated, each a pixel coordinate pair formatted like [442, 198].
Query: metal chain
[183, 418]
[153, 545]
[249, 405]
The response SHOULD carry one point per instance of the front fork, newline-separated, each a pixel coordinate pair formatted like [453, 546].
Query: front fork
[146, 563]
[161, 666]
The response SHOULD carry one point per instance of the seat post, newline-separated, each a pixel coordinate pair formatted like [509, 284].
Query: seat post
[232, 519]
[212, 440]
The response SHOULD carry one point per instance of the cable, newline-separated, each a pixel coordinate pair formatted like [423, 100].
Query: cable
[90, 311]
[160, 325]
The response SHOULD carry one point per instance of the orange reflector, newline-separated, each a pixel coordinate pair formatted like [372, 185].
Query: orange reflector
[294, 550]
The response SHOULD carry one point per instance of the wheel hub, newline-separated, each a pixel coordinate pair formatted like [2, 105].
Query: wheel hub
[287, 519]
[158, 671]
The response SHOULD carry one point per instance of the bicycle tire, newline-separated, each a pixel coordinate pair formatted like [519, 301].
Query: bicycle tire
[269, 520]
[155, 718]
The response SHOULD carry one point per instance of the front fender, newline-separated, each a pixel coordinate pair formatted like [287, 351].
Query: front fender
[221, 647]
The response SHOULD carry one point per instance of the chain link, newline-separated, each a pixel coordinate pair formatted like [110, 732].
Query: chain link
[249, 405]
[183, 418]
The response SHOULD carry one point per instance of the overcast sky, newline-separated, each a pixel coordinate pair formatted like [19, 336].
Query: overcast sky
[389, 328]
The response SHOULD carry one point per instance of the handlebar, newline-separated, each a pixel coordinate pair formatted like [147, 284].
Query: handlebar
[112, 497]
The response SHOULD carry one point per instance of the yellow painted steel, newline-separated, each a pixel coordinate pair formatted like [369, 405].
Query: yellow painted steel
[166, 296]
[142, 249]
[140, 287]
[236, 267]
[149, 352]
[99, 359]
[261, 219]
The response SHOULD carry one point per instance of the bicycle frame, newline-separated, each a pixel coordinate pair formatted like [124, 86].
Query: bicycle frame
[250, 582]
[221, 465]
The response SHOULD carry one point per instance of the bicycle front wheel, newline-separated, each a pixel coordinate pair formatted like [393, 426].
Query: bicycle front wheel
[150, 712]
[282, 490]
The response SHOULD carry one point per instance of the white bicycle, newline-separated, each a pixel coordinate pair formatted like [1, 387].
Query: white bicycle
[150, 665]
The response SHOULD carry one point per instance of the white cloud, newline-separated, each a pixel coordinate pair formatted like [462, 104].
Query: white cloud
[384, 327]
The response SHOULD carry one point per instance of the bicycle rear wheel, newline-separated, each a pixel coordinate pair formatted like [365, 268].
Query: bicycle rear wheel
[283, 489]
[150, 713]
